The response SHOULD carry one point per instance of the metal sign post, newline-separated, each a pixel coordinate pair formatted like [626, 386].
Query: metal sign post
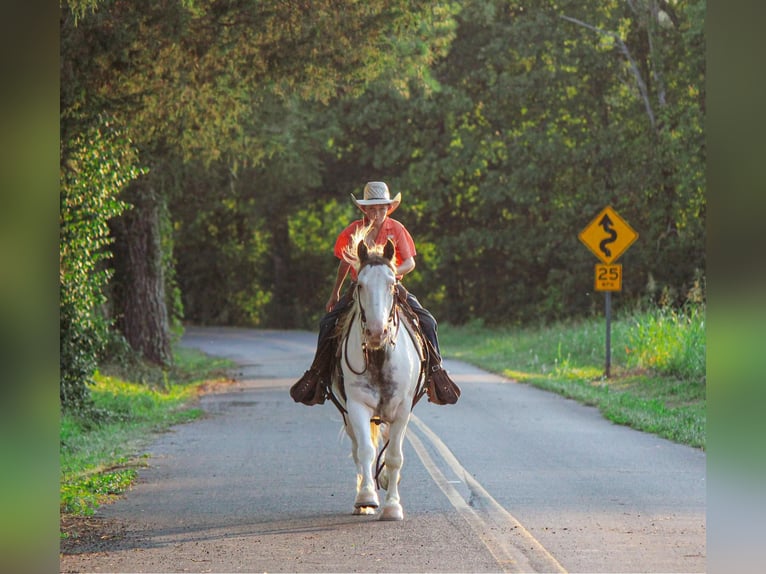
[608, 236]
[608, 311]
[608, 278]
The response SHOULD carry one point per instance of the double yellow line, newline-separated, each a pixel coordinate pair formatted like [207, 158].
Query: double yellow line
[512, 545]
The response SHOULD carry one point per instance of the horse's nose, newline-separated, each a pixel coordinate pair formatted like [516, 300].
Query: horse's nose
[376, 336]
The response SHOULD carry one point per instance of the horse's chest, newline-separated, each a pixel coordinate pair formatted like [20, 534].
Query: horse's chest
[381, 376]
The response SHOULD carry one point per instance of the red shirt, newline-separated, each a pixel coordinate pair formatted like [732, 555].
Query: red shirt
[391, 229]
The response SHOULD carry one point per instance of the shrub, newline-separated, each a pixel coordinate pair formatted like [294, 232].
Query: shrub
[95, 166]
[670, 341]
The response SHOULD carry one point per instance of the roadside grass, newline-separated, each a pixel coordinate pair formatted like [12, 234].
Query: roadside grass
[657, 382]
[99, 454]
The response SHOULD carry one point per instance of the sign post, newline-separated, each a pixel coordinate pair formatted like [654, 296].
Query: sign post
[608, 236]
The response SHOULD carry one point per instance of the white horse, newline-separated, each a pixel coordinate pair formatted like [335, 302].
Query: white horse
[381, 361]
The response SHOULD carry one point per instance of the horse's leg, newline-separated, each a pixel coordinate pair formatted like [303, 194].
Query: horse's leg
[364, 456]
[358, 509]
[392, 508]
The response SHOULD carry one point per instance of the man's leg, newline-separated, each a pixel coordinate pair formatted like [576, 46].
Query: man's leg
[447, 392]
[427, 323]
[311, 387]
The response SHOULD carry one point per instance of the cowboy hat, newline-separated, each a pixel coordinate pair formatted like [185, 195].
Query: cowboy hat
[376, 193]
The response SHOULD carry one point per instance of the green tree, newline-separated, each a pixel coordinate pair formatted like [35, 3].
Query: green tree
[189, 79]
[272, 221]
[544, 115]
[99, 164]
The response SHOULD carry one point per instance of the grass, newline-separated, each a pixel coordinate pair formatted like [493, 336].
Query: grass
[657, 381]
[99, 454]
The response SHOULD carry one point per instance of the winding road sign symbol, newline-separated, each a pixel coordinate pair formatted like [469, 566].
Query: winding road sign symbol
[608, 235]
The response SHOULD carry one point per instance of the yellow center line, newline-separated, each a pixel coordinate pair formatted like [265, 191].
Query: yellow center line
[496, 527]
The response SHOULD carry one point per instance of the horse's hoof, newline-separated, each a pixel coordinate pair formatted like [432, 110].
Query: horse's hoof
[364, 510]
[367, 499]
[393, 512]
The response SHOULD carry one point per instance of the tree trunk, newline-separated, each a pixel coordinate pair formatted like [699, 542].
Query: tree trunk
[141, 311]
[283, 308]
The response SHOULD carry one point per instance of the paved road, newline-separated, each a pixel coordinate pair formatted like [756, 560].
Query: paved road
[511, 479]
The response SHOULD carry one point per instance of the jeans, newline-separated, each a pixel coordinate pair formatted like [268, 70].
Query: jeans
[427, 322]
[327, 327]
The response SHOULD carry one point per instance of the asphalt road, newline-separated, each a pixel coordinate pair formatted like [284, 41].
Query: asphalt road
[510, 479]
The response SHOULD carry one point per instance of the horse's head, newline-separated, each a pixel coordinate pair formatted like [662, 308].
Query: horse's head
[376, 281]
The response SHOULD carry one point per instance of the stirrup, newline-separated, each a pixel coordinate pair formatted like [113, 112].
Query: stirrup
[441, 389]
[309, 389]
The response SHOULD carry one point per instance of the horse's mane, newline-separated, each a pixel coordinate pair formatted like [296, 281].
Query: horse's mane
[342, 326]
[350, 256]
[349, 251]
[375, 253]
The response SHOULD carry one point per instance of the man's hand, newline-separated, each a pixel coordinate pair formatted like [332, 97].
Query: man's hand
[332, 301]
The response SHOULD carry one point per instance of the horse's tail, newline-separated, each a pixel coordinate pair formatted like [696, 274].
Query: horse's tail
[375, 433]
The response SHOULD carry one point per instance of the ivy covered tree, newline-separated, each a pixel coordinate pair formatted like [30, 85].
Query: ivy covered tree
[99, 164]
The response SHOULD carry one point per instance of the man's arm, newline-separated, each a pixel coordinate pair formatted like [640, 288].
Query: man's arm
[343, 268]
[406, 266]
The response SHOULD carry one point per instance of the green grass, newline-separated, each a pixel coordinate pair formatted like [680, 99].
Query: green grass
[657, 381]
[99, 454]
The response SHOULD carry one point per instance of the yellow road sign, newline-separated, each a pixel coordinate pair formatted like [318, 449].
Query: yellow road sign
[608, 235]
[608, 277]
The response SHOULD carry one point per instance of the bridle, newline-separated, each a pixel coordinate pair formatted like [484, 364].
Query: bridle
[392, 332]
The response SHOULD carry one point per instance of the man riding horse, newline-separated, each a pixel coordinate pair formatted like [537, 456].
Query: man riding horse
[377, 206]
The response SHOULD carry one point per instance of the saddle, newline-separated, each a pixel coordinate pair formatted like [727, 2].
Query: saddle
[434, 381]
[440, 388]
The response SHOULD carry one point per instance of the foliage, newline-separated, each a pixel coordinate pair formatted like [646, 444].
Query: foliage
[85, 496]
[538, 123]
[669, 341]
[241, 222]
[210, 83]
[206, 80]
[96, 167]
[551, 128]
[507, 127]
[263, 223]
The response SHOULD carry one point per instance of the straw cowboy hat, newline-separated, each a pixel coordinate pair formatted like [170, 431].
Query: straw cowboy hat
[376, 193]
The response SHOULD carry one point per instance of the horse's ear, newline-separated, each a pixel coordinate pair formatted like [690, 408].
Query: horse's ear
[389, 250]
[361, 251]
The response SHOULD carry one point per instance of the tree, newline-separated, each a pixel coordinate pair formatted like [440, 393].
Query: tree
[187, 79]
[100, 163]
[539, 122]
